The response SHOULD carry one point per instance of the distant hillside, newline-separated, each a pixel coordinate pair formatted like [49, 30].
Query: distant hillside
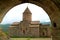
[4, 26]
[44, 23]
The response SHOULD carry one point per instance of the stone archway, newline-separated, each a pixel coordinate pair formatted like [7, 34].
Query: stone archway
[48, 5]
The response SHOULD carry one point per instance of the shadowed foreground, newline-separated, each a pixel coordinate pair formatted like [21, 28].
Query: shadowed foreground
[31, 39]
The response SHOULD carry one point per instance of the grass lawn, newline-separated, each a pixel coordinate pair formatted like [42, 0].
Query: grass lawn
[31, 39]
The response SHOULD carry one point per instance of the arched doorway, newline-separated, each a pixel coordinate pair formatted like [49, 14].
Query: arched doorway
[37, 15]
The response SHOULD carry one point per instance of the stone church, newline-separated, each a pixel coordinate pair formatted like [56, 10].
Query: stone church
[29, 28]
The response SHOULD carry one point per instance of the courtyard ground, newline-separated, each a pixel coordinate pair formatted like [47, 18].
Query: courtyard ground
[31, 39]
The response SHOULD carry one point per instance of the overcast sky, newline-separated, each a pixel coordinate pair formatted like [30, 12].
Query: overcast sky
[15, 14]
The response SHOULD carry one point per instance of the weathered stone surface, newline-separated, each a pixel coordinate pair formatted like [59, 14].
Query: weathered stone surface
[52, 7]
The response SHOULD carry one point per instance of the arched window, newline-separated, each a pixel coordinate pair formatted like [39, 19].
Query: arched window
[23, 31]
[54, 24]
[43, 33]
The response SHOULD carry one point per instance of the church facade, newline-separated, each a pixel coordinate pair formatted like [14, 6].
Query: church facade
[27, 27]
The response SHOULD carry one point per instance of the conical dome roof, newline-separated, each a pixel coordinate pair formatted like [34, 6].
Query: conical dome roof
[27, 10]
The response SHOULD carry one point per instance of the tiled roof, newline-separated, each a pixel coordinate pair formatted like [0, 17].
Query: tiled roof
[15, 23]
[35, 22]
